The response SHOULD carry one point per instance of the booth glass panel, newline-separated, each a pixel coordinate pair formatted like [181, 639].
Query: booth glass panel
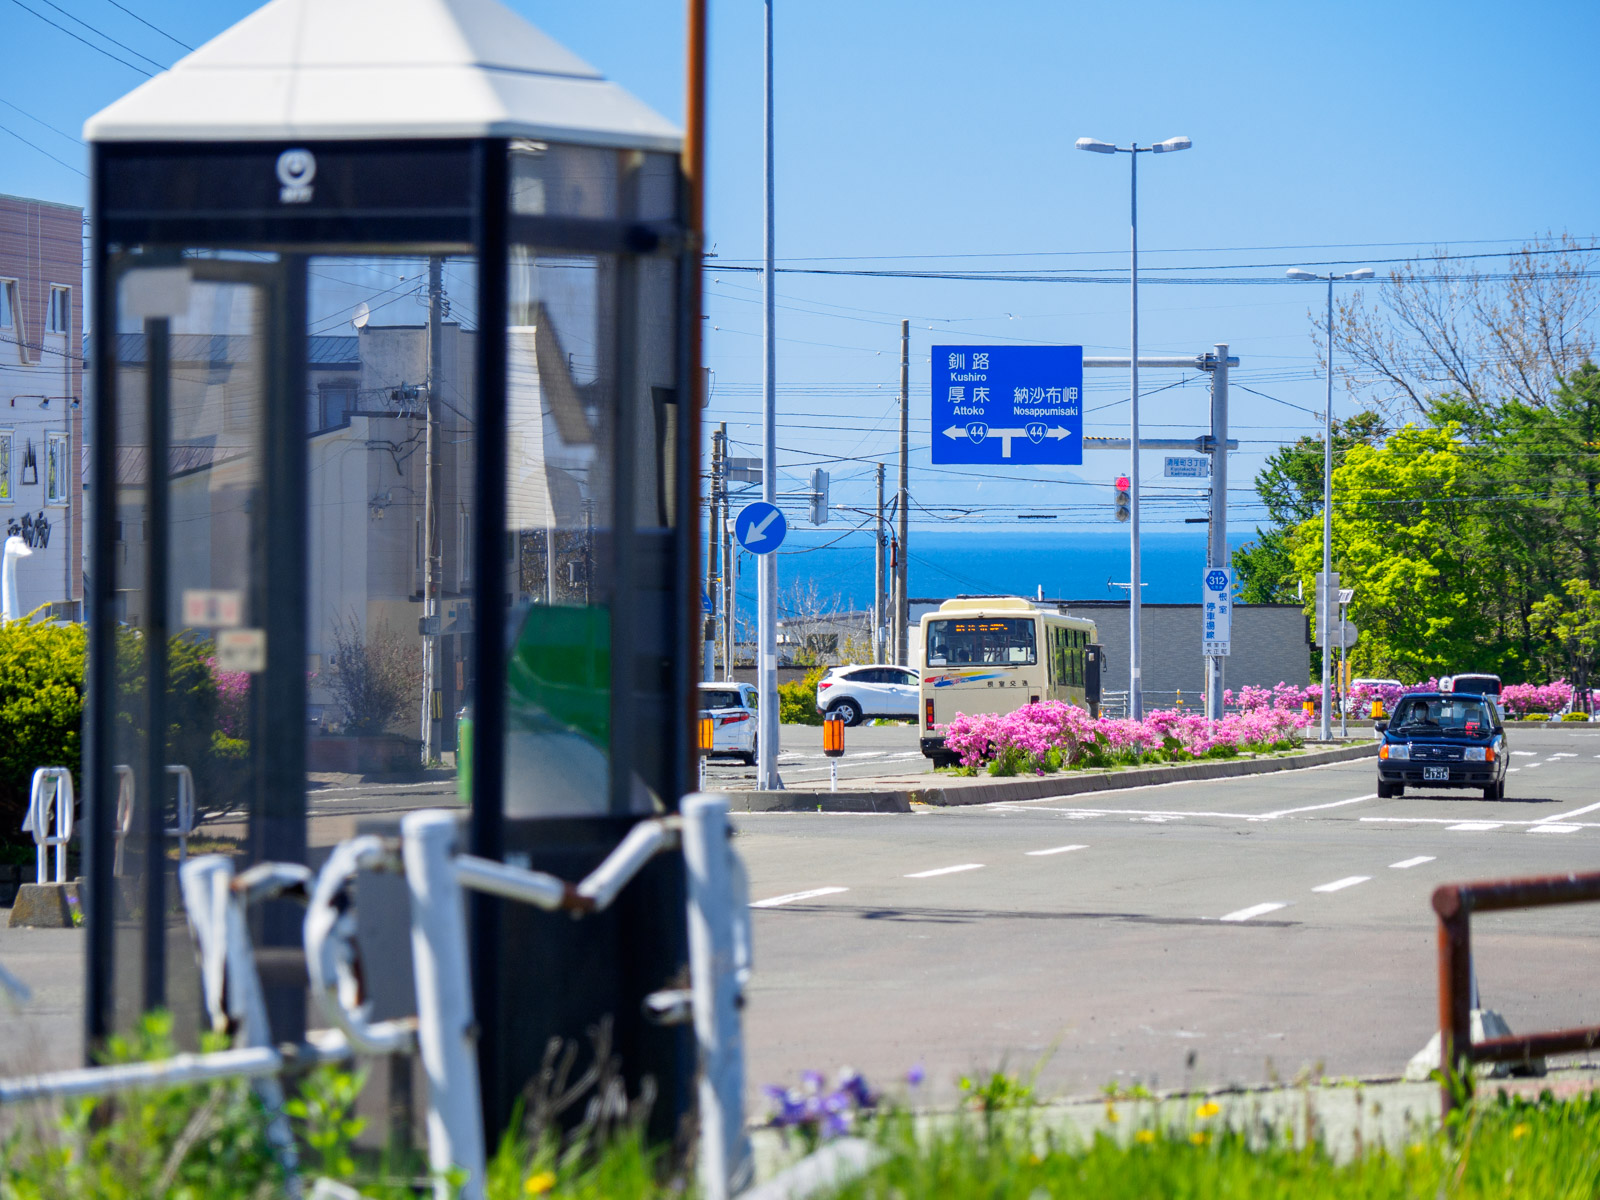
[191, 381]
[390, 465]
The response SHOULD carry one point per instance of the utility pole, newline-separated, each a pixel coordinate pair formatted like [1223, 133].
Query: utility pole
[431, 540]
[729, 568]
[902, 606]
[708, 640]
[879, 541]
[1218, 556]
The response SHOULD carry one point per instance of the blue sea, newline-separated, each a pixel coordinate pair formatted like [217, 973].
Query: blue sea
[1068, 565]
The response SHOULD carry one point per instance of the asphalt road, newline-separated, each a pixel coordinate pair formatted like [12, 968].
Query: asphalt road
[869, 751]
[1216, 932]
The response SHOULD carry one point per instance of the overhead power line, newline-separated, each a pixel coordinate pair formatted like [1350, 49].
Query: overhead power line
[98, 32]
[43, 151]
[142, 21]
[84, 40]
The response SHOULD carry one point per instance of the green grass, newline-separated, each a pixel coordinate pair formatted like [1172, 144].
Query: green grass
[210, 1143]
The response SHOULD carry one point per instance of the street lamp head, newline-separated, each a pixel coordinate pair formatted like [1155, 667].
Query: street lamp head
[1360, 273]
[1096, 146]
[1171, 144]
[1297, 273]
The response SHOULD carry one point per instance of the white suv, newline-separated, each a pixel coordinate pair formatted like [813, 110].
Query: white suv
[856, 693]
[732, 709]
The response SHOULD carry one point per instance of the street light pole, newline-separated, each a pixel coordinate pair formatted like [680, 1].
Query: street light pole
[767, 579]
[1135, 609]
[1325, 594]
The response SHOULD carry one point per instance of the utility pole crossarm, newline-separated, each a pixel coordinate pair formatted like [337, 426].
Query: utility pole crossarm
[1187, 362]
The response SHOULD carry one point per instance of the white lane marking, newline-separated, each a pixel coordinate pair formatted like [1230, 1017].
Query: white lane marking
[1530, 754]
[1563, 755]
[1255, 910]
[1054, 850]
[1544, 828]
[1532, 766]
[1405, 864]
[1338, 885]
[1284, 812]
[1451, 821]
[793, 896]
[944, 871]
[1514, 770]
[1473, 826]
[1556, 818]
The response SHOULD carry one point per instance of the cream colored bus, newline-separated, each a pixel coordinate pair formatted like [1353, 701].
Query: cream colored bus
[993, 654]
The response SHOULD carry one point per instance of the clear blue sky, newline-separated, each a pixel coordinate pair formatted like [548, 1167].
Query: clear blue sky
[1322, 131]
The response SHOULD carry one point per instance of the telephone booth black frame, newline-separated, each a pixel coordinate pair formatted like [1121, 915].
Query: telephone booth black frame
[425, 196]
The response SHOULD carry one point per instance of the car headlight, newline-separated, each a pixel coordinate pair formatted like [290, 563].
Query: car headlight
[1395, 751]
[1475, 754]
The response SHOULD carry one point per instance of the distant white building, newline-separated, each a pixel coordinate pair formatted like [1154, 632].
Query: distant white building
[41, 394]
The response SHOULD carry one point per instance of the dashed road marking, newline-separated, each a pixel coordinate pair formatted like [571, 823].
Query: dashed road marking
[1473, 826]
[1558, 818]
[1405, 864]
[1054, 850]
[1338, 885]
[1563, 755]
[794, 896]
[1255, 910]
[944, 871]
[1284, 812]
[1530, 754]
[1545, 827]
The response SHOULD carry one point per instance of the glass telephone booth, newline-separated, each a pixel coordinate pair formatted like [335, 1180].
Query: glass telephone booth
[393, 498]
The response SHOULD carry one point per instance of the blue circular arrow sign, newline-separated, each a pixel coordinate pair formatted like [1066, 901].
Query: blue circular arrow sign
[760, 527]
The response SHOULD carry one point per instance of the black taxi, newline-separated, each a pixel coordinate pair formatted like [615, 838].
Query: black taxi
[1443, 740]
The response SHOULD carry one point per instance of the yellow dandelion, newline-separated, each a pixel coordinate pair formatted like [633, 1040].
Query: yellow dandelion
[1519, 1130]
[540, 1183]
[1209, 1109]
[1199, 1137]
[1035, 1159]
[1414, 1149]
[1145, 1136]
[1112, 1115]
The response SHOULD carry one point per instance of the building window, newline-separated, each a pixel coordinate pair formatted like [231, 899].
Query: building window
[335, 401]
[56, 468]
[8, 303]
[8, 493]
[59, 318]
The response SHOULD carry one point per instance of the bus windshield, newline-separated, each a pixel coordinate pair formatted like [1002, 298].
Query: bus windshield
[996, 641]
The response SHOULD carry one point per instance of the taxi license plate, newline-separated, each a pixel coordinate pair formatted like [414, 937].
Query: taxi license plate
[1435, 773]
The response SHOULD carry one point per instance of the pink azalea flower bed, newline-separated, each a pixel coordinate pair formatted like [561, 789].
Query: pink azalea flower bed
[1053, 735]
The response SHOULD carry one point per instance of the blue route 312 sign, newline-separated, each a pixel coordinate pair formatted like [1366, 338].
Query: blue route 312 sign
[1008, 404]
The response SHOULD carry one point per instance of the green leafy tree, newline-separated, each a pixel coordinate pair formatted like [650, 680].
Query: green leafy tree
[1290, 487]
[1405, 538]
[41, 711]
[1572, 625]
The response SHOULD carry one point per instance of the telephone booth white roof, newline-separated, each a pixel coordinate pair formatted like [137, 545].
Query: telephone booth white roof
[308, 70]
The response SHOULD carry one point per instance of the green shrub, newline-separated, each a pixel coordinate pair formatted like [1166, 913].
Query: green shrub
[1576, 716]
[797, 701]
[41, 712]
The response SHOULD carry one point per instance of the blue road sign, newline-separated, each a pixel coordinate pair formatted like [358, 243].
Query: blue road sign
[1216, 580]
[705, 604]
[760, 527]
[1008, 404]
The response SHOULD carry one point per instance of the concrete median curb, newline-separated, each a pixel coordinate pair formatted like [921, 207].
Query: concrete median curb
[1044, 787]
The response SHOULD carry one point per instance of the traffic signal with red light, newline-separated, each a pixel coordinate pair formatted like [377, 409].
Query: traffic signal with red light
[1124, 498]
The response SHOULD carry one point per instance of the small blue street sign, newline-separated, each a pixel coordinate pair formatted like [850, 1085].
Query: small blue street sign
[1008, 404]
[1216, 580]
[705, 604]
[760, 527]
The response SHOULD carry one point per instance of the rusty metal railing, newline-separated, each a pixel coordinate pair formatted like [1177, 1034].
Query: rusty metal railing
[1455, 903]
